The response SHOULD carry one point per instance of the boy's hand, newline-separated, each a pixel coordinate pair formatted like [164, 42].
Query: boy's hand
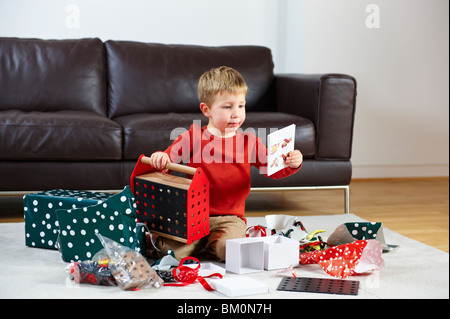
[159, 161]
[294, 159]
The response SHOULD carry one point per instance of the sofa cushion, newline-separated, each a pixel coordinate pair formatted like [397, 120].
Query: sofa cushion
[313, 173]
[147, 133]
[49, 75]
[64, 135]
[45, 175]
[305, 132]
[159, 78]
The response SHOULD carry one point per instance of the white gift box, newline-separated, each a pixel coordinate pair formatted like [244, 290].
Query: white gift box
[238, 286]
[252, 254]
[244, 255]
[280, 252]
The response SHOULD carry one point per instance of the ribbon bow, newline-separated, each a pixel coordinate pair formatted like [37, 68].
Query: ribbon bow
[185, 275]
[258, 231]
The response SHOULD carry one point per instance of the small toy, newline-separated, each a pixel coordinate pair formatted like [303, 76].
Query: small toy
[166, 275]
[93, 272]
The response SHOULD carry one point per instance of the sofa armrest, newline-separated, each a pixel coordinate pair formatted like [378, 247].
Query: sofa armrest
[328, 100]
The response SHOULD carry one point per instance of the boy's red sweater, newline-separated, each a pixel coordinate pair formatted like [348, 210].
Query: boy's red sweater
[226, 162]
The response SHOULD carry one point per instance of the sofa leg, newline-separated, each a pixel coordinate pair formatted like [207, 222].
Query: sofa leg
[347, 199]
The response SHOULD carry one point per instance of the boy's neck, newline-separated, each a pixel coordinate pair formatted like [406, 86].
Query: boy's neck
[216, 132]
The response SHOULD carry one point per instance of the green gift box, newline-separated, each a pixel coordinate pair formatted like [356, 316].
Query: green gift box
[41, 223]
[114, 218]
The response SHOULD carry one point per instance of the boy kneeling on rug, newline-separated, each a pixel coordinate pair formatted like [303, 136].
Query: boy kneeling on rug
[222, 92]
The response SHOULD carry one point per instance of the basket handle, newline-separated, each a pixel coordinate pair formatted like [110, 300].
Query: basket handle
[172, 166]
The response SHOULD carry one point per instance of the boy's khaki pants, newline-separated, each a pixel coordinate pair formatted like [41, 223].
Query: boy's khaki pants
[221, 228]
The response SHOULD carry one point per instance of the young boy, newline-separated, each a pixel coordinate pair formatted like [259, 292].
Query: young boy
[225, 155]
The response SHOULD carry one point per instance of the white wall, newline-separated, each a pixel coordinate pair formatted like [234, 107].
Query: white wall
[401, 65]
[402, 117]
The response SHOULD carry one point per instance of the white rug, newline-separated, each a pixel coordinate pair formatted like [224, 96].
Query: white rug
[414, 270]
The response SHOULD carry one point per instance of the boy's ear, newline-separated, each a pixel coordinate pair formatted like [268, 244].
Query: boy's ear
[205, 109]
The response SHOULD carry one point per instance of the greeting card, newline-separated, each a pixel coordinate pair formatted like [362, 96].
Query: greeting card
[279, 144]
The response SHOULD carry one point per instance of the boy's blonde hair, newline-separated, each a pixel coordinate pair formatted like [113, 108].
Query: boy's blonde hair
[219, 80]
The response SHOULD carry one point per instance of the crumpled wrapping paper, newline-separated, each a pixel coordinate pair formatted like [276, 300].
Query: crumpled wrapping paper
[355, 258]
[290, 227]
[349, 232]
[286, 225]
[356, 248]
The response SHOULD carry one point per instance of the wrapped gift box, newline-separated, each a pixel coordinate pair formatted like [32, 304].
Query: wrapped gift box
[172, 206]
[115, 218]
[41, 223]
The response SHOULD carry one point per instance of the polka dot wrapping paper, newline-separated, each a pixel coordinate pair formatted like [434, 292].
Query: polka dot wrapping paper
[114, 218]
[355, 258]
[349, 232]
[41, 223]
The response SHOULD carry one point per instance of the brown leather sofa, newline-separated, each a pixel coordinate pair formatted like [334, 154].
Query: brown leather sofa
[76, 114]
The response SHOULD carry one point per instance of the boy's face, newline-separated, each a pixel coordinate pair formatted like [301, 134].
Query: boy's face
[226, 114]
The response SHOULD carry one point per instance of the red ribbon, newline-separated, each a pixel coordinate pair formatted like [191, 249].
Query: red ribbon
[262, 230]
[186, 275]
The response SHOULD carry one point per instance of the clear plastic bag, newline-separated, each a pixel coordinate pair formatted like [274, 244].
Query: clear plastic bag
[129, 268]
